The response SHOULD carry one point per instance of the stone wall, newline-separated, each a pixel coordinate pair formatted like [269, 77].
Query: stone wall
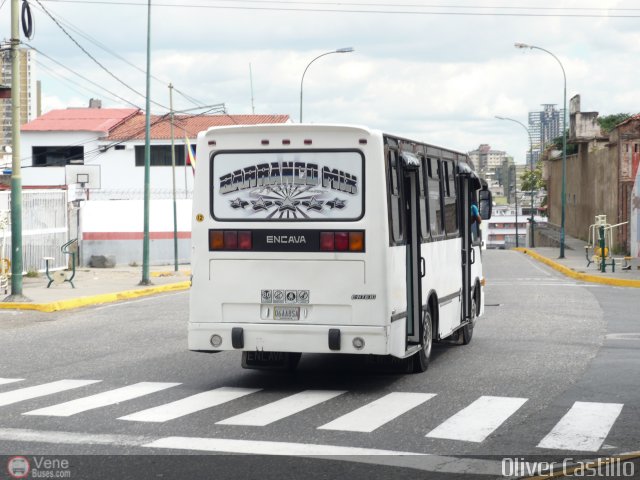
[591, 189]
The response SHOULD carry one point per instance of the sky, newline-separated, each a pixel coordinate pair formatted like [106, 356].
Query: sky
[436, 71]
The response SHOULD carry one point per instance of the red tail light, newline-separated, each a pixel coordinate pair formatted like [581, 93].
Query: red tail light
[327, 241]
[244, 240]
[230, 240]
[342, 241]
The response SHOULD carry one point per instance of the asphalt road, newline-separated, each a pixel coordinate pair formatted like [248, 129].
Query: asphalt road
[553, 372]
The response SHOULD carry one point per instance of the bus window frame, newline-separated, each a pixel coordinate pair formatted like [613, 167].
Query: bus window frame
[450, 171]
[389, 170]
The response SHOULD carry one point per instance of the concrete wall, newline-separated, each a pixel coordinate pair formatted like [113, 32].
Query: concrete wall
[591, 189]
[115, 227]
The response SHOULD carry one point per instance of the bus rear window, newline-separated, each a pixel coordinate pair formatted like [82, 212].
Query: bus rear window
[287, 186]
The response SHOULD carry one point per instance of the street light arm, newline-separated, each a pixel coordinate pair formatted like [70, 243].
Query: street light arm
[339, 50]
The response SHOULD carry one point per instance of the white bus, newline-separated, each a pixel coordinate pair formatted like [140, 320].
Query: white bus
[331, 239]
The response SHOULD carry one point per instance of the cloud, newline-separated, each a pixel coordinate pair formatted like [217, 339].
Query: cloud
[437, 78]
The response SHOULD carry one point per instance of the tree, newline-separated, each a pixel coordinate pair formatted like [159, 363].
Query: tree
[609, 122]
[532, 180]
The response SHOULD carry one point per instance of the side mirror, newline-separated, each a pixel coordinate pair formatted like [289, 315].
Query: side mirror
[486, 204]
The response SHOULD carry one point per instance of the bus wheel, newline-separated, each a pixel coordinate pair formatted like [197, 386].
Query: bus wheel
[421, 359]
[467, 330]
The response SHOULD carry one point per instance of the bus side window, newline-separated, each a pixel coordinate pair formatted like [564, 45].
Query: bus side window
[395, 201]
[450, 207]
[433, 188]
[422, 204]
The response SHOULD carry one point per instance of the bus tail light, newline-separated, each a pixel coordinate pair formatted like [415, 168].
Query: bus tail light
[342, 241]
[230, 240]
[356, 241]
[244, 240]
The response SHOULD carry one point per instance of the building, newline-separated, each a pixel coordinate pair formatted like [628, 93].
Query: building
[29, 92]
[486, 159]
[98, 155]
[544, 127]
[505, 223]
[603, 178]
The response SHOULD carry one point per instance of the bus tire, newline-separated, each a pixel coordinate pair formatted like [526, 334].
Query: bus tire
[467, 330]
[421, 358]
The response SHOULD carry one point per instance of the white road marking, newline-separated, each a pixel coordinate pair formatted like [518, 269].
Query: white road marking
[377, 413]
[477, 421]
[102, 399]
[5, 381]
[584, 427]
[254, 447]
[414, 460]
[69, 438]
[186, 406]
[280, 409]
[27, 393]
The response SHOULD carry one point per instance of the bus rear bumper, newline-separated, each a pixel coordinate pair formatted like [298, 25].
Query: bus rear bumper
[289, 338]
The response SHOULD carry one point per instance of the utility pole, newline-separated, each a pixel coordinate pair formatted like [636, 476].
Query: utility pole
[253, 108]
[16, 176]
[147, 158]
[173, 172]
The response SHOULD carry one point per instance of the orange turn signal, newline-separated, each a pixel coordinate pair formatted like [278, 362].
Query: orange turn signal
[356, 241]
[216, 240]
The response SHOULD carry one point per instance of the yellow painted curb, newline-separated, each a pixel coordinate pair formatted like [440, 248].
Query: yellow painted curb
[95, 299]
[585, 277]
[579, 470]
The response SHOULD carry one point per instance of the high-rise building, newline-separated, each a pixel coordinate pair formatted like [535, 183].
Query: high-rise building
[485, 159]
[544, 126]
[28, 91]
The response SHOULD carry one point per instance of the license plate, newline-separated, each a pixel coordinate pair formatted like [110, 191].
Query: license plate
[286, 313]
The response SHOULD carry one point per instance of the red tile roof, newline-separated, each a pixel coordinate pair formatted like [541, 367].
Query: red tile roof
[80, 119]
[134, 127]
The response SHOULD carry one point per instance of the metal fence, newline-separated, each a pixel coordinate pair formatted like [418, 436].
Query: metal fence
[44, 228]
[138, 194]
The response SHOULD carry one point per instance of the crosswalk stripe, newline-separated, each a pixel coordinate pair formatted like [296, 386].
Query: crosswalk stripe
[5, 381]
[478, 420]
[103, 399]
[282, 408]
[185, 406]
[377, 413]
[27, 393]
[584, 427]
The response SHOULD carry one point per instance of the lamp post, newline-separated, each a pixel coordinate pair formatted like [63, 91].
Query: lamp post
[564, 142]
[531, 220]
[339, 50]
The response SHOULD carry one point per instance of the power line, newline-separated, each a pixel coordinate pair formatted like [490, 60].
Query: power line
[69, 80]
[92, 57]
[388, 9]
[105, 48]
[82, 76]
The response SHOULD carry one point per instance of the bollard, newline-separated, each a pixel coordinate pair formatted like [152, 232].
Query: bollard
[603, 260]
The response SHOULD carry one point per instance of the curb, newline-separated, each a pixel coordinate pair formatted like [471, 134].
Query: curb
[95, 299]
[585, 277]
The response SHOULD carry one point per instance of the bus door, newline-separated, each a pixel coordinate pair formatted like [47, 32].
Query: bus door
[464, 205]
[414, 261]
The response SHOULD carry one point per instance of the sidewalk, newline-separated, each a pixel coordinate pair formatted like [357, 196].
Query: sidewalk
[574, 265]
[95, 286]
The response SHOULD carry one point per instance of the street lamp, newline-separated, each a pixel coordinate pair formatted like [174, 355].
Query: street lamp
[564, 141]
[339, 50]
[531, 220]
